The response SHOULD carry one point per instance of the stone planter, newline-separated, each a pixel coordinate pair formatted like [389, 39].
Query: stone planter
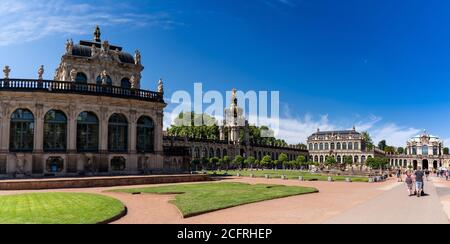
[371, 180]
[267, 176]
[349, 180]
[252, 176]
[330, 179]
[300, 178]
[283, 177]
[238, 175]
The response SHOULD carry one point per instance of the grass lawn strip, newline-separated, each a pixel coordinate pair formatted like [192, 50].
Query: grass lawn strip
[197, 199]
[58, 208]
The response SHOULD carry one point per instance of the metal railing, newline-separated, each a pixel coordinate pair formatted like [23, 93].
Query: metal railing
[50, 86]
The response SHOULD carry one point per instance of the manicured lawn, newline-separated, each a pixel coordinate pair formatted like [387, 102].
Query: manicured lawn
[58, 208]
[289, 174]
[196, 199]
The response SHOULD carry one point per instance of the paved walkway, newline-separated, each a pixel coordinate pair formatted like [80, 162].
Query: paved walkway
[396, 207]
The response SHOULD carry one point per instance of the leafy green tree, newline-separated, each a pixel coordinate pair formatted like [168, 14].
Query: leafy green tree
[446, 151]
[401, 150]
[368, 141]
[266, 161]
[389, 150]
[226, 162]
[380, 163]
[238, 161]
[347, 161]
[330, 161]
[214, 162]
[195, 163]
[250, 162]
[283, 159]
[382, 145]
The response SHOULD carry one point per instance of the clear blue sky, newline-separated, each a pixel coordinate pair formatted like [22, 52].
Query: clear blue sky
[381, 65]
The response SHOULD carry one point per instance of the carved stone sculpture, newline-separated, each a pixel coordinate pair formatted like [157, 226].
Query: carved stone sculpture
[161, 86]
[104, 77]
[73, 75]
[133, 82]
[137, 57]
[41, 72]
[69, 47]
[6, 72]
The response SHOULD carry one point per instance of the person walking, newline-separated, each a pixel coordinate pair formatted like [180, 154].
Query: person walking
[399, 175]
[427, 174]
[409, 183]
[447, 175]
[419, 181]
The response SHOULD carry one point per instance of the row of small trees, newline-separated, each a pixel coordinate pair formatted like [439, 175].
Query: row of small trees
[240, 162]
[282, 162]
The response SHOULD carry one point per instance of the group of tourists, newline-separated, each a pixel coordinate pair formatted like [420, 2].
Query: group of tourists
[415, 180]
[443, 173]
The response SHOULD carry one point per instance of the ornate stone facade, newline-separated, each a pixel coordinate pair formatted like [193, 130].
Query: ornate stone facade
[425, 151]
[339, 144]
[98, 62]
[88, 121]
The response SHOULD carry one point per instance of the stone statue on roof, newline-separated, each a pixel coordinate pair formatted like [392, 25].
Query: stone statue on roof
[41, 72]
[6, 72]
[161, 86]
[137, 57]
[97, 34]
[69, 46]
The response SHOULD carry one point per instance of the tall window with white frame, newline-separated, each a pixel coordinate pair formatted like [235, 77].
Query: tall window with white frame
[55, 131]
[146, 134]
[118, 133]
[87, 132]
[21, 131]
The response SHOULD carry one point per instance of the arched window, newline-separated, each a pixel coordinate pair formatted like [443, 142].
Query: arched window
[327, 146]
[350, 146]
[316, 159]
[425, 150]
[108, 80]
[356, 159]
[87, 132]
[339, 159]
[321, 159]
[356, 146]
[316, 147]
[211, 153]
[344, 146]
[218, 154]
[55, 131]
[118, 133]
[311, 147]
[338, 146]
[435, 150]
[321, 146]
[414, 150]
[21, 131]
[145, 135]
[225, 152]
[332, 146]
[81, 78]
[125, 83]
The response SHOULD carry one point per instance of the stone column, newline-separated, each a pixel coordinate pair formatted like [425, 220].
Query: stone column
[103, 130]
[5, 127]
[72, 130]
[132, 132]
[39, 129]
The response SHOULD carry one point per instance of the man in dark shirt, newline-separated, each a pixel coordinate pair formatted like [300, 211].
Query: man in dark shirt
[419, 181]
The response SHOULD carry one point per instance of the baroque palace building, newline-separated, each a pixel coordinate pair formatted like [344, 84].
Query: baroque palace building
[93, 118]
[425, 151]
[234, 140]
[340, 144]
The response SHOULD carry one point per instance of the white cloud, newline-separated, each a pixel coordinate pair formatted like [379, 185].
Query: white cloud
[28, 20]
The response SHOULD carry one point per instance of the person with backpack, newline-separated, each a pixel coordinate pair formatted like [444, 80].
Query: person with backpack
[409, 183]
[419, 182]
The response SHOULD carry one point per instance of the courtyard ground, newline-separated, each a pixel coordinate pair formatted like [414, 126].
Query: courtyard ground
[337, 202]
